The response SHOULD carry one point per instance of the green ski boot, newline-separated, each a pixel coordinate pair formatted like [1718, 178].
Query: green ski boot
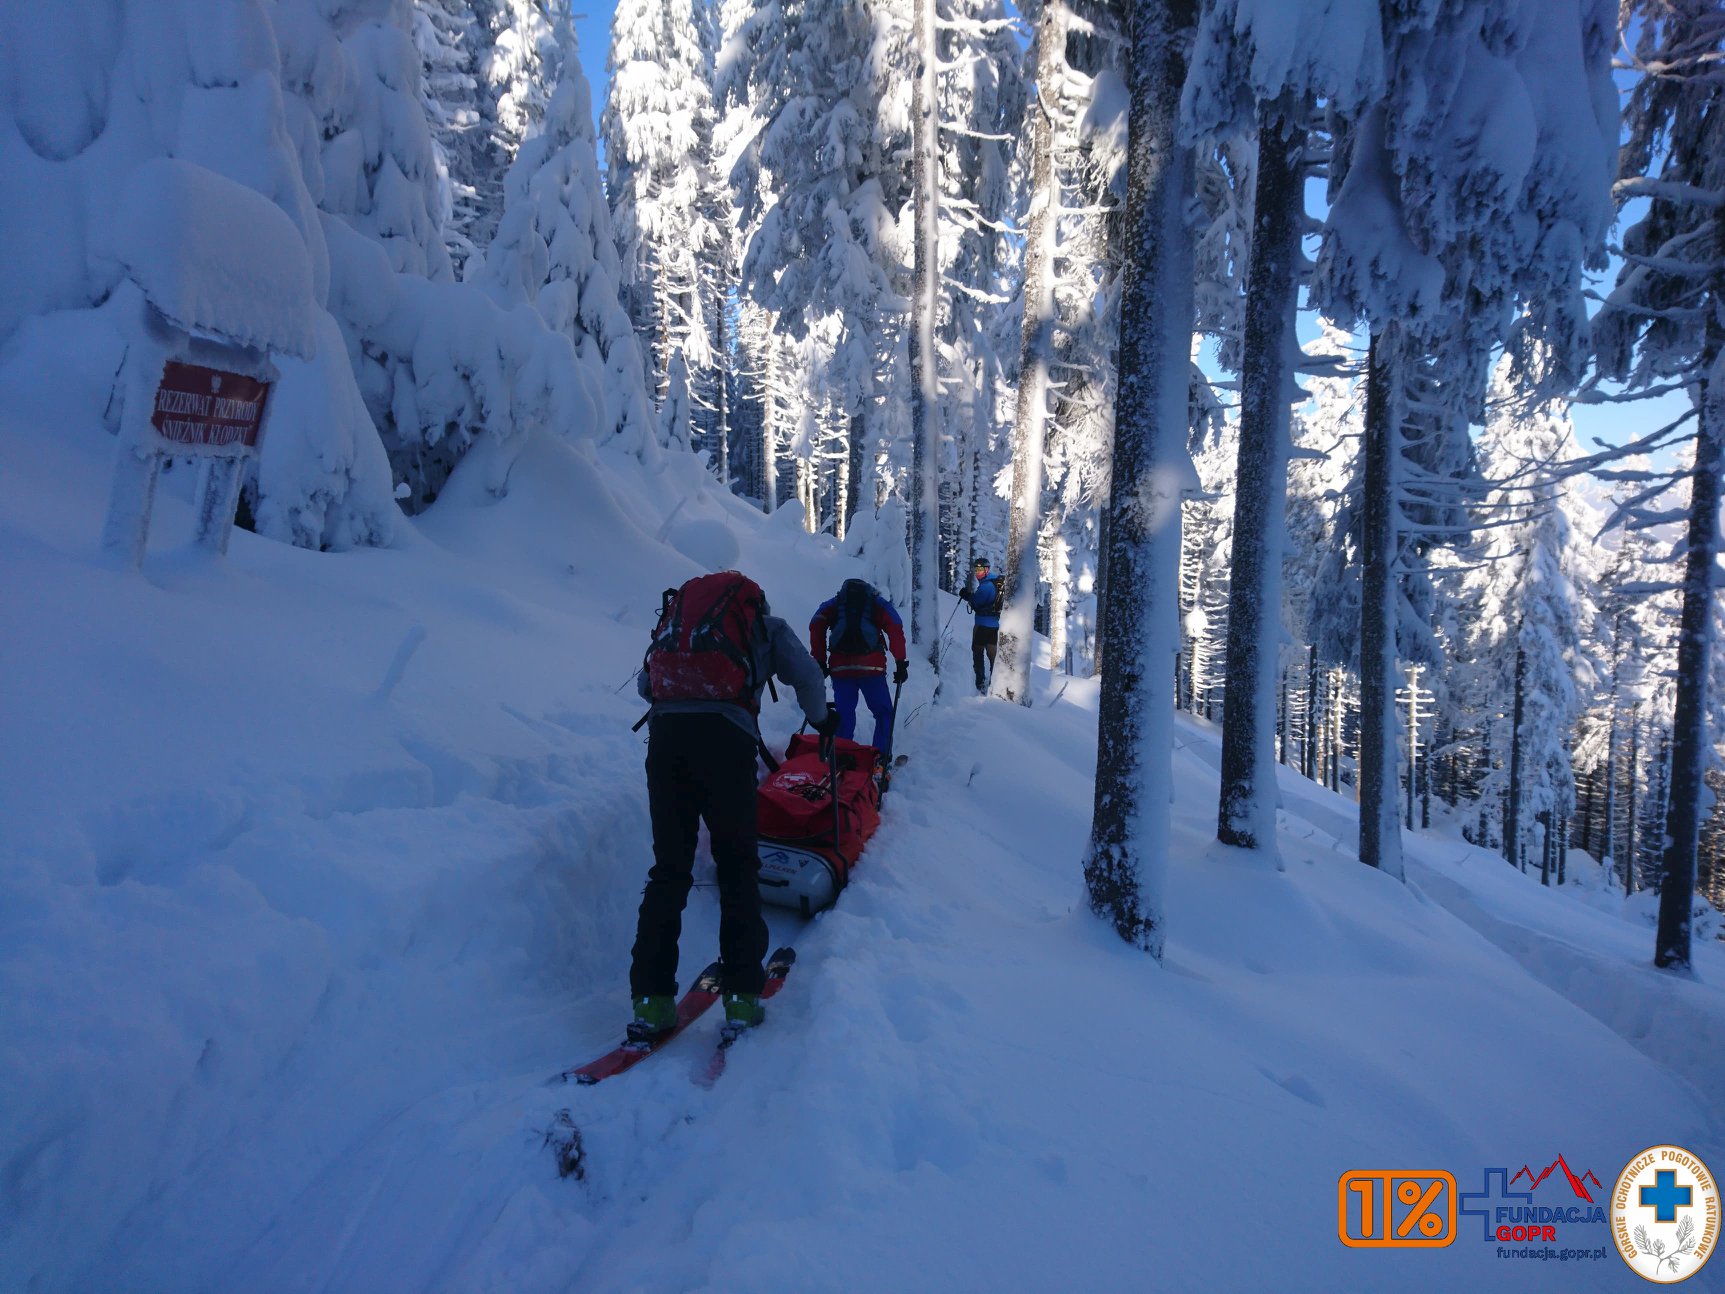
[655, 1014]
[743, 1011]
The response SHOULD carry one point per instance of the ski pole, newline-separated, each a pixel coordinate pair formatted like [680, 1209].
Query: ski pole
[892, 723]
[950, 619]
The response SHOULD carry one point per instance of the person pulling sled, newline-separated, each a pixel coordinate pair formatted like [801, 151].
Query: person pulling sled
[714, 650]
[849, 636]
[984, 601]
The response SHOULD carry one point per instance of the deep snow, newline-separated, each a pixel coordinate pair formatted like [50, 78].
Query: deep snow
[314, 868]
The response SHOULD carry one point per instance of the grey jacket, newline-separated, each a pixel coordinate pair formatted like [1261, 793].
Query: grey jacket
[778, 651]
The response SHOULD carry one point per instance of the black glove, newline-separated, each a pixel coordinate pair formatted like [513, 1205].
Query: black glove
[828, 725]
[964, 595]
[900, 674]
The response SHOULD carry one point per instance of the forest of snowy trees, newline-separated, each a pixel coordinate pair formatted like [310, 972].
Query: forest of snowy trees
[1242, 336]
[940, 252]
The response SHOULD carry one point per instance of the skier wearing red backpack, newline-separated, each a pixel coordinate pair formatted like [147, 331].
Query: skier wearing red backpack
[715, 648]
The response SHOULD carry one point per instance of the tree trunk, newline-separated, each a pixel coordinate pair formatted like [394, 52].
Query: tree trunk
[973, 483]
[1030, 421]
[1130, 822]
[1380, 831]
[808, 490]
[1310, 753]
[1608, 825]
[1588, 784]
[1246, 810]
[1689, 750]
[1060, 602]
[1413, 741]
[1485, 765]
[1282, 741]
[1103, 587]
[1631, 823]
[858, 451]
[1426, 793]
[925, 381]
[722, 393]
[770, 427]
[1512, 801]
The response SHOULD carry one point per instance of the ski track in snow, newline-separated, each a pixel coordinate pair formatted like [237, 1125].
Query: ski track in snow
[280, 1011]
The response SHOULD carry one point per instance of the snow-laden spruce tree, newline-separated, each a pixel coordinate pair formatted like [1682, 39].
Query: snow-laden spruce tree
[1664, 326]
[355, 69]
[1206, 539]
[1130, 818]
[1528, 596]
[657, 127]
[1639, 613]
[1074, 171]
[554, 251]
[822, 234]
[1469, 198]
[981, 93]
[1327, 433]
[737, 30]
[442, 369]
[489, 69]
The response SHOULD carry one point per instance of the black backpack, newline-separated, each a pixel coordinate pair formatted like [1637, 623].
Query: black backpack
[854, 631]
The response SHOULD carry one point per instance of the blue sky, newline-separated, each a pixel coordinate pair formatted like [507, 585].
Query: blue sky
[593, 31]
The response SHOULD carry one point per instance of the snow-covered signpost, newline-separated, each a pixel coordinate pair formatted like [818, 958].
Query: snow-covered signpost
[225, 282]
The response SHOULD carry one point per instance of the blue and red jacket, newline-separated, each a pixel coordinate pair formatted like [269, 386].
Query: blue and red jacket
[889, 633]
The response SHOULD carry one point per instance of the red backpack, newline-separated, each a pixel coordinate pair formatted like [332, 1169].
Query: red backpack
[703, 648]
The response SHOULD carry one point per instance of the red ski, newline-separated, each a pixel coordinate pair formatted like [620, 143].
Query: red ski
[701, 995]
[778, 966]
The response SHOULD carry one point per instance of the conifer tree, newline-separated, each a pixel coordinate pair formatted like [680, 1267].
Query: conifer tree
[1664, 323]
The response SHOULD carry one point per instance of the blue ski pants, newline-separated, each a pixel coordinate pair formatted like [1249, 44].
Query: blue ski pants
[873, 689]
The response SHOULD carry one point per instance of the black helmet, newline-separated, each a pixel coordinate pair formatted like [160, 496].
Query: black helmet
[979, 563]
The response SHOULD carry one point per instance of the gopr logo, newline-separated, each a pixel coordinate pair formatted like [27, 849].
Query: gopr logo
[1511, 1217]
[1665, 1214]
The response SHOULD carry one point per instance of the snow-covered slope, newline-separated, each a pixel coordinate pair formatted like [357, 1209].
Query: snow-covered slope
[313, 868]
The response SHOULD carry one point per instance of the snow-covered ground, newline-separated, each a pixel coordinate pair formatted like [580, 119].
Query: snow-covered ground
[314, 868]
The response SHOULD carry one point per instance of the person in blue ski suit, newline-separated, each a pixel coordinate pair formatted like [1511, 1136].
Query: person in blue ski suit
[861, 625]
[984, 601]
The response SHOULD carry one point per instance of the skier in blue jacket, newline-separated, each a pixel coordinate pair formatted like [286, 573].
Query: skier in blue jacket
[984, 602]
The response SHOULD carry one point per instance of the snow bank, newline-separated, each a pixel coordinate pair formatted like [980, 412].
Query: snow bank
[215, 257]
[323, 480]
[711, 545]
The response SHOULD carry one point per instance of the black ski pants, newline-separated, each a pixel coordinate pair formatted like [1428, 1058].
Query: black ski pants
[700, 768]
[983, 640]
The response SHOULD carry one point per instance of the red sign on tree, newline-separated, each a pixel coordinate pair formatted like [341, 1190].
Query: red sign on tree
[207, 407]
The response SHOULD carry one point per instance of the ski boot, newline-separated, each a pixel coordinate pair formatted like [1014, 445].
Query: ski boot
[743, 1011]
[655, 1014]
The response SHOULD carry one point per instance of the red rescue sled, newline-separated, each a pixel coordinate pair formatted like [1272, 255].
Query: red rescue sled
[810, 839]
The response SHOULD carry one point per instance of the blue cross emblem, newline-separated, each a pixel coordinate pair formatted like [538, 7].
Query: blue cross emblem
[1664, 1197]
[1496, 1194]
